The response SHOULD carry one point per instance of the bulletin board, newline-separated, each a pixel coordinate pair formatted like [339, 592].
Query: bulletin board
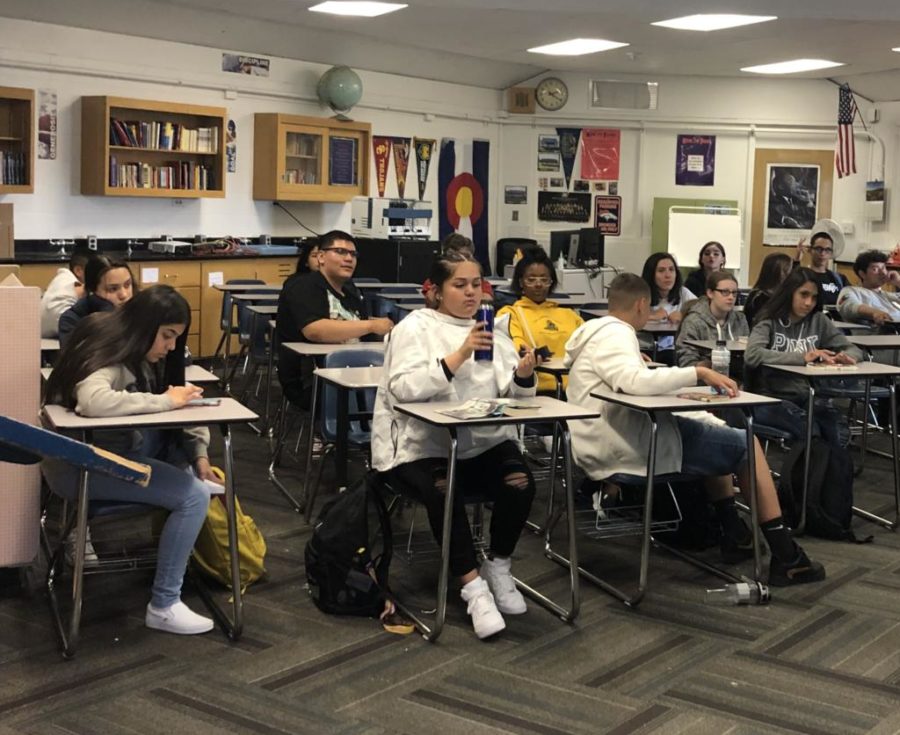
[691, 227]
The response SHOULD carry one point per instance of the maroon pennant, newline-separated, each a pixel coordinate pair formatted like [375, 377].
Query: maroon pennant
[381, 146]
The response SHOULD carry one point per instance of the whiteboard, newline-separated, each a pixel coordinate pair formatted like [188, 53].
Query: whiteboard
[690, 228]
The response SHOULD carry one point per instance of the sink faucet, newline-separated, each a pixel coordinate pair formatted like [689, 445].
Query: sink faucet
[61, 245]
[129, 243]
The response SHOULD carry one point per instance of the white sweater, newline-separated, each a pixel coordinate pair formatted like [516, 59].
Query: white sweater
[58, 297]
[852, 297]
[413, 373]
[604, 353]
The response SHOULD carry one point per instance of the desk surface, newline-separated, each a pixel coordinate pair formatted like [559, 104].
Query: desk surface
[595, 313]
[238, 297]
[192, 374]
[238, 287]
[352, 377]
[318, 349]
[737, 345]
[548, 409]
[229, 411]
[875, 341]
[665, 327]
[671, 402]
[860, 370]
[49, 345]
[410, 305]
[850, 325]
[376, 286]
[264, 309]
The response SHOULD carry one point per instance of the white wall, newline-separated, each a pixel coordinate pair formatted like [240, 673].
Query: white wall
[745, 114]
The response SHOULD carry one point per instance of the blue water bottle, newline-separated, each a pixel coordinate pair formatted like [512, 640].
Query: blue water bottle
[485, 314]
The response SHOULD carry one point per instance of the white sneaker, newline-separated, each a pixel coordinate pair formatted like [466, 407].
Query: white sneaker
[90, 554]
[497, 574]
[486, 618]
[177, 618]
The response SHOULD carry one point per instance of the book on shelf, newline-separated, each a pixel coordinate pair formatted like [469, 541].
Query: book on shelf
[163, 136]
[13, 168]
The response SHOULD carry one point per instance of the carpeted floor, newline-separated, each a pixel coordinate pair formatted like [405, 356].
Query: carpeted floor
[821, 659]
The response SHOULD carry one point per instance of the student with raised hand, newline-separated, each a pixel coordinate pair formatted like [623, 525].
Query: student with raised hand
[128, 362]
[775, 268]
[711, 260]
[868, 302]
[604, 354]
[712, 317]
[108, 284]
[321, 306]
[821, 251]
[429, 357]
[63, 291]
[535, 320]
[791, 329]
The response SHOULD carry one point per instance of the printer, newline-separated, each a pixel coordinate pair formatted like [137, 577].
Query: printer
[390, 219]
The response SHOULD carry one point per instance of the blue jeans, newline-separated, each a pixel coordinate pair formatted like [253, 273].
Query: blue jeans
[828, 423]
[178, 491]
[708, 450]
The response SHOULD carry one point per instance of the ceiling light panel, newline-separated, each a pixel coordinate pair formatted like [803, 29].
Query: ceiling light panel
[713, 21]
[792, 67]
[358, 9]
[577, 47]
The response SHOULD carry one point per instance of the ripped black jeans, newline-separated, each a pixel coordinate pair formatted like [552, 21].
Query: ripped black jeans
[498, 475]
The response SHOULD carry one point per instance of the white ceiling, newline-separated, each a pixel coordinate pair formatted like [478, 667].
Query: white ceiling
[483, 42]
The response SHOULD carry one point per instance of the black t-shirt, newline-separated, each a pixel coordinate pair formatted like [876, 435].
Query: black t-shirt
[306, 298]
[831, 283]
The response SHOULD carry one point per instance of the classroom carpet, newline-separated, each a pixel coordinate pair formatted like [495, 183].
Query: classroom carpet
[821, 659]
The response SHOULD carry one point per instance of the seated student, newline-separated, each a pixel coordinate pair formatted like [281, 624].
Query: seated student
[534, 319]
[108, 284]
[321, 306]
[63, 291]
[775, 268]
[308, 258]
[667, 296]
[129, 362]
[604, 353]
[712, 259]
[455, 242]
[868, 302]
[712, 317]
[821, 249]
[791, 329]
[429, 357]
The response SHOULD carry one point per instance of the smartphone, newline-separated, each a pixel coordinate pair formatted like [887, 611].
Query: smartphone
[205, 402]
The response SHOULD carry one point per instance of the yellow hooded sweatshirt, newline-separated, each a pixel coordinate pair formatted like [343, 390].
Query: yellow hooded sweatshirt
[549, 324]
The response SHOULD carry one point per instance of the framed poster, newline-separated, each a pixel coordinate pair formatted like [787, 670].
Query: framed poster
[608, 215]
[792, 198]
[561, 206]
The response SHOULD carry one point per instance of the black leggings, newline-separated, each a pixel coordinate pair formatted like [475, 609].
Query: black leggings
[485, 476]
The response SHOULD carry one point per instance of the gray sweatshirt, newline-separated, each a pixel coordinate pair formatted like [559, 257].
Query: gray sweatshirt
[772, 341]
[852, 297]
[701, 324]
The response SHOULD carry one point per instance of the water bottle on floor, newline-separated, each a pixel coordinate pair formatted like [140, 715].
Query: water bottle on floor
[739, 593]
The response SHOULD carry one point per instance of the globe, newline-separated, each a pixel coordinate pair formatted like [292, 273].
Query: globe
[340, 88]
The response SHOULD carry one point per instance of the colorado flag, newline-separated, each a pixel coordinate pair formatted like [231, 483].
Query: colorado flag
[463, 193]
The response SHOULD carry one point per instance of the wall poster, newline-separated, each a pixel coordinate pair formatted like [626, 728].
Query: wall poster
[792, 200]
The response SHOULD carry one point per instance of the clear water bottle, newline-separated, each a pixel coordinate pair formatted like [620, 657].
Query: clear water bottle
[485, 314]
[739, 593]
[721, 358]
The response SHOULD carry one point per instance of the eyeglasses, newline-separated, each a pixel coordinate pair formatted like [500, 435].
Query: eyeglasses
[340, 252]
[537, 280]
[726, 291]
[822, 251]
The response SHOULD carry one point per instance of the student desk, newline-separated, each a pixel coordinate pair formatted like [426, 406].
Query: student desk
[236, 299]
[863, 371]
[657, 329]
[548, 409]
[192, 374]
[669, 403]
[377, 286]
[317, 351]
[236, 288]
[264, 310]
[594, 313]
[870, 342]
[738, 346]
[49, 345]
[228, 412]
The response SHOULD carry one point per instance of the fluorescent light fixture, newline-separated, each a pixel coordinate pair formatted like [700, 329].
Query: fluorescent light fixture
[792, 67]
[361, 9]
[896, 49]
[712, 21]
[576, 47]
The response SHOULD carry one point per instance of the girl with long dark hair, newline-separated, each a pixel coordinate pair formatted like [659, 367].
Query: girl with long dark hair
[108, 284]
[131, 361]
[774, 269]
[711, 260]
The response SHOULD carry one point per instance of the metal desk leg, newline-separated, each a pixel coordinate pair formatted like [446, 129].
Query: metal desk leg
[892, 525]
[234, 626]
[432, 633]
[282, 426]
[270, 370]
[309, 441]
[752, 492]
[810, 409]
[343, 427]
[226, 354]
[554, 453]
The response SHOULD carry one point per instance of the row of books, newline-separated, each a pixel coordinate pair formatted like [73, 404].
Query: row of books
[163, 136]
[13, 168]
[172, 175]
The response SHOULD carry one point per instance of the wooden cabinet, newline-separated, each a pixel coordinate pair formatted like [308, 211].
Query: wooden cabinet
[310, 159]
[16, 140]
[185, 278]
[270, 270]
[143, 148]
[40, 274]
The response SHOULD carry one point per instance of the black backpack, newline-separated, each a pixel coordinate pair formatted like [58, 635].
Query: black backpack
[348, 556]
[829, 501]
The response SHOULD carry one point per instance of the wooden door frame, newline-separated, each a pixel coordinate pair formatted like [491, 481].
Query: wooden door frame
[784, 156]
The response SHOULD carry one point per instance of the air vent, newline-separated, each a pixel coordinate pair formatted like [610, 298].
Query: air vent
[612, 94]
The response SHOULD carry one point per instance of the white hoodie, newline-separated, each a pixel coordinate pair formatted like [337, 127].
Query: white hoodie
[412, 373]
[59, 296]
[604, 353]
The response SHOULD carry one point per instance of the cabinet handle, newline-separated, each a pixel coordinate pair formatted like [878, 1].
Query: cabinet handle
[167, 276]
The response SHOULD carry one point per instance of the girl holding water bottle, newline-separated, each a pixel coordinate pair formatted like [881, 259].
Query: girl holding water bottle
[444, 354]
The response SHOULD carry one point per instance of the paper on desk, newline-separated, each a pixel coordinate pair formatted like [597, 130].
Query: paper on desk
[480, 408]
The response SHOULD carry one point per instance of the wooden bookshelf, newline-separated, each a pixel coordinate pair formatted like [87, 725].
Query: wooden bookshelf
[310, 158]
[16, 140]
[143, 148]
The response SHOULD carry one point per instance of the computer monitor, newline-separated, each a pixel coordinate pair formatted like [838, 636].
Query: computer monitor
[565, 243]
[590, 247]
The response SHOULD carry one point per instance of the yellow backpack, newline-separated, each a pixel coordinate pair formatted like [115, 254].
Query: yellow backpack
[211, 548]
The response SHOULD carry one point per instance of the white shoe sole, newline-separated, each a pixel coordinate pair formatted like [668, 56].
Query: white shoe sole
[166, 627]
[488, 632]
[512, 611]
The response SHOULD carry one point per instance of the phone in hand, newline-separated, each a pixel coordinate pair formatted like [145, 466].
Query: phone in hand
[204, 402]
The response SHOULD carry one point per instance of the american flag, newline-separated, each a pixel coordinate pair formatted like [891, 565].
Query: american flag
[845, 152]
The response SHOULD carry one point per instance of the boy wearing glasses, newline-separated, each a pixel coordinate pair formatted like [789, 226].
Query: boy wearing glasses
[821, 250]
[322, 306]
[711, 317]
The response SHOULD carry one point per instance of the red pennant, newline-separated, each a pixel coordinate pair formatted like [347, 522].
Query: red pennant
[381, 146]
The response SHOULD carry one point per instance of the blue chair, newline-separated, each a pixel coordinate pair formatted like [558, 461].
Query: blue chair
[362, 404]
[225, 319]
